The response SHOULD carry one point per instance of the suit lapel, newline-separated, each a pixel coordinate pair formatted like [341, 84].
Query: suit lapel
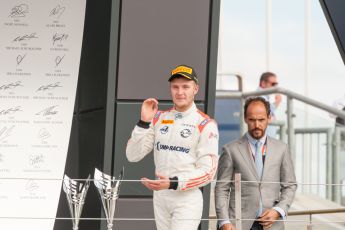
[269, 156]
[247, 156]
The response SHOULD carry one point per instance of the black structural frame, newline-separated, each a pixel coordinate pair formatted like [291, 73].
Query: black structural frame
[331, 13]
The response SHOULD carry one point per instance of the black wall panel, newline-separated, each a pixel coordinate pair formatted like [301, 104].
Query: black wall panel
[93, 71]
[72, 170]
[155, 37]
[91, 146]
[129, 208]
[127, 115]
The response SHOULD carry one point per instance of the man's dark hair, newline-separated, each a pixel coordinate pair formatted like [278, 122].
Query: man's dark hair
[254, 100]
[266, 75]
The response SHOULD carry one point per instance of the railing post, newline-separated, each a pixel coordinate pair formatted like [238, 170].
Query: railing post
[329, 165]
[310, 225]
[336, 163]
[240, 89]
[291, 129]
[242, 116]
[238, 211]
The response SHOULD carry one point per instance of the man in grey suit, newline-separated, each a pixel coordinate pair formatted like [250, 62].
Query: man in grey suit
[259, 158]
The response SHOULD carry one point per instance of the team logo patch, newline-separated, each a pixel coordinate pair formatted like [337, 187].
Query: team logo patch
[160, 146]
[182, 69]
[167, 121]
[164, 130]
[178, 116]
[203, 124]
[185, 133]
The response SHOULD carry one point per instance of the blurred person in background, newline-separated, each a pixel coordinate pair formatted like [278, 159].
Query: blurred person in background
[269, 80]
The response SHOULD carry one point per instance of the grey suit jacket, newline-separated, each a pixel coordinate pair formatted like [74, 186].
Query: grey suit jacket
[278, 167]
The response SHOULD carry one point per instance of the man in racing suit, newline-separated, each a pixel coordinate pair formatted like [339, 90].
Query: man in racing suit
[185, 145]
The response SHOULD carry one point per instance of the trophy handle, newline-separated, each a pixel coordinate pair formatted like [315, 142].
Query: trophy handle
[108, 188]
[75, 193]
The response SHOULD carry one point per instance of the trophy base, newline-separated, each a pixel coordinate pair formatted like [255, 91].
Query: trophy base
[110, 226]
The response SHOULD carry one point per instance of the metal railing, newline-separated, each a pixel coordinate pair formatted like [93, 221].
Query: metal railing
[220, 79]
[310, 223]
[337, 143]
[289, 132]
[282, 128]
[238, 204]
[290, 97]
[307, 154]
[310, 213]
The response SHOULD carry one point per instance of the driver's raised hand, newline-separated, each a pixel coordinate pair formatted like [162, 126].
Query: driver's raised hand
[148, 109]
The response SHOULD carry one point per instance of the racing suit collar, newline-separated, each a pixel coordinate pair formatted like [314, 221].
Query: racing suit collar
[179, 115]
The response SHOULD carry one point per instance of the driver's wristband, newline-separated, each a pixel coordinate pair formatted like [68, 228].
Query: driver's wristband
[173, 182]
[143, 124]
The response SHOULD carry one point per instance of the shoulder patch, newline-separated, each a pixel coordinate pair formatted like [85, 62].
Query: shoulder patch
[203, 124]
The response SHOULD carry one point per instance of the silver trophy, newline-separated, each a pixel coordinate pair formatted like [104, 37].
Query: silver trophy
[76, 194]
[108, 188]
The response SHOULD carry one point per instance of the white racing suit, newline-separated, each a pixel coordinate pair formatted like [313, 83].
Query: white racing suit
[185, 146]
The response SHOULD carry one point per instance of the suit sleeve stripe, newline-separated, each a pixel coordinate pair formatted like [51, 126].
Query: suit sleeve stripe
[206, 174]
[194, 185]
[158, 114]
[197, 183]
[156, 117]
[201, 180]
